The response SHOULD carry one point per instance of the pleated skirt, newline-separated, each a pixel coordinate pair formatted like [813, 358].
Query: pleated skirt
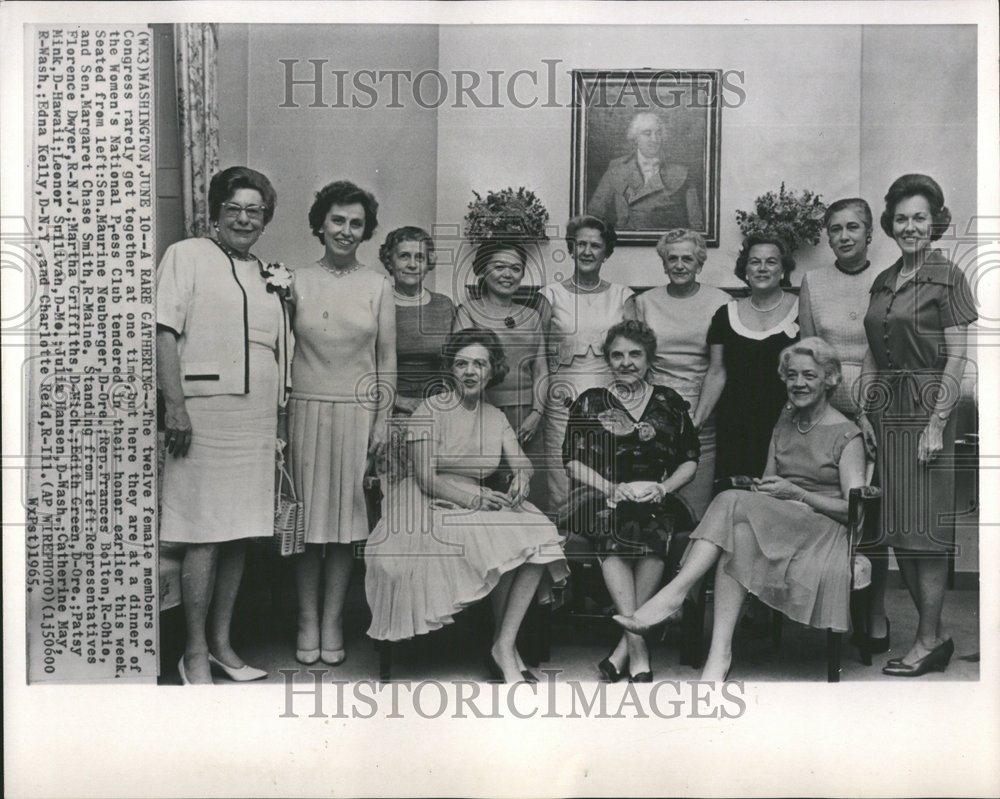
[329, 453]
[223, 489]
[427, 560]
[786, 554]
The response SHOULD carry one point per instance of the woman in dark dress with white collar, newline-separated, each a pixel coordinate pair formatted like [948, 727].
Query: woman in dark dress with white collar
[753, 331]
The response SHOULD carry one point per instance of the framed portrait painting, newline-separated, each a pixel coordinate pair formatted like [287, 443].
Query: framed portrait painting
[646, 150]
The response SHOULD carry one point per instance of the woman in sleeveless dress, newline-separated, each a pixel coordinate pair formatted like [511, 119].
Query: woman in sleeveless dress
[500, 265]
[832, 303]
[582, 308]
[680, 314]
[785, 542]
[345, 325]
[446, 540]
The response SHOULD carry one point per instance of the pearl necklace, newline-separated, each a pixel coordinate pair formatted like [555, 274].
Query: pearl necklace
[766, 310]
[907, 276]
[584, 290]
[798, 425]
[422, 298]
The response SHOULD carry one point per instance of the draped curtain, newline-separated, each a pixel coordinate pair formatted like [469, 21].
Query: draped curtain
[196, 57]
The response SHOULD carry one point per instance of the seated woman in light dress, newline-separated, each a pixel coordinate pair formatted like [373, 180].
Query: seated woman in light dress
[785, 542]
[445, 540]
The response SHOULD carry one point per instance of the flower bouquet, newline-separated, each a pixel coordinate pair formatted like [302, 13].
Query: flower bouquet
[507, 213]
[797, 217]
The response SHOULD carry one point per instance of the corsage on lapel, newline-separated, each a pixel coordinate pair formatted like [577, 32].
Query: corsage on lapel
[278, 278]
[616, 422]
[645, 430]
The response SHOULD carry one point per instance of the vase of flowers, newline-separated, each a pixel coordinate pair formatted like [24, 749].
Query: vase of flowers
[797, 217]
[510, 215]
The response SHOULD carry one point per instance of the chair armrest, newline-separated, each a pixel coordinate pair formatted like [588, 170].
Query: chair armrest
[866, 494]
[862, 514]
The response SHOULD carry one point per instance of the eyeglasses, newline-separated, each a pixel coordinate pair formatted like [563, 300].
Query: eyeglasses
[255, 212]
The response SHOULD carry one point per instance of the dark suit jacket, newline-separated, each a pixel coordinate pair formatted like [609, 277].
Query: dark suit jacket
[668, 201]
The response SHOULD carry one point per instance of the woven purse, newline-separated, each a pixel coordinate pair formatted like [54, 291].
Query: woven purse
[289, 516]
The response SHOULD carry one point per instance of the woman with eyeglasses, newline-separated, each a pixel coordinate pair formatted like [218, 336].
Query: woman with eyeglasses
[343, 377]
[222, 346]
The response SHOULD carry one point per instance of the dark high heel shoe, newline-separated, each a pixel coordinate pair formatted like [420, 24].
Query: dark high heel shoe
[493, 669]
[642, 676]
[608, 670]
[935, 660]
[874, 646]
[879, 645]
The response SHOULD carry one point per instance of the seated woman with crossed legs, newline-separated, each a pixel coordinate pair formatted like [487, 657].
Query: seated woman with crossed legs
[785, 542]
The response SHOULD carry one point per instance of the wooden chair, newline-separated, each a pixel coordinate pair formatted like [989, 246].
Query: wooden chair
[862, 528]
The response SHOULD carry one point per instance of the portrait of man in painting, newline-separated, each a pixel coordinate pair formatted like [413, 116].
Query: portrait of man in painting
[646, 152]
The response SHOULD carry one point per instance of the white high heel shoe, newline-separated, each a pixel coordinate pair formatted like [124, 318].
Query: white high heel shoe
[244, 673]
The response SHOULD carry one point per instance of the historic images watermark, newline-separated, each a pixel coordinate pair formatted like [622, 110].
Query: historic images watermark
[314, 83]
[553, 699]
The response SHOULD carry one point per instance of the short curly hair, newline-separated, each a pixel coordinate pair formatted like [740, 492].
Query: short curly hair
[602, 226]
[342, 192]
[632, 330]
[843, 205]
[787, 261]
[403, 234]
[681, 234]
[468, 336]
[226, 183]
[820, 350]
[916, 185]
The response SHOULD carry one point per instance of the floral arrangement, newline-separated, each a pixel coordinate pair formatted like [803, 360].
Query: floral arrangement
[797, 217]
[278, 278]
[506, 213]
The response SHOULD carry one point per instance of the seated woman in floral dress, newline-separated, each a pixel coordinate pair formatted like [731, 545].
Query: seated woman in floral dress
[784, 542]
[445, 540]
[628, 449]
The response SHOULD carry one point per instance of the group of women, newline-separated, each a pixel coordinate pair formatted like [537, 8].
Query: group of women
[614, 412]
